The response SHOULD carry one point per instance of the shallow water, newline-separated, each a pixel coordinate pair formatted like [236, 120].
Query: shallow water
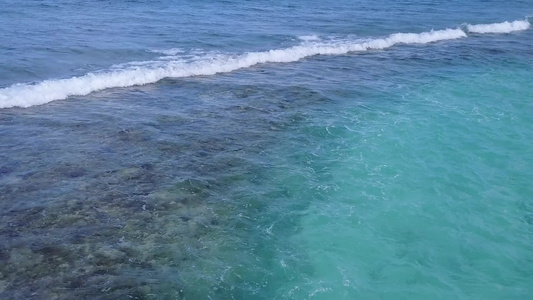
[390, 172]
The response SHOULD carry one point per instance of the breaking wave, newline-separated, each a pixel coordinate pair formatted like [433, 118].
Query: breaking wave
[140, 73]
[504, 27]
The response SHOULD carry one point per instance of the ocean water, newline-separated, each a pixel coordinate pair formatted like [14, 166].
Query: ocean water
[266, 149]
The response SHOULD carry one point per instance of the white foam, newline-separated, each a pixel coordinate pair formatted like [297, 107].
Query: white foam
[140, 73]
[171, 51]
[309, 38]
[504, 27]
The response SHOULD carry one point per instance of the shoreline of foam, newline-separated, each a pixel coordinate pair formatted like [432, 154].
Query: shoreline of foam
[27, 95]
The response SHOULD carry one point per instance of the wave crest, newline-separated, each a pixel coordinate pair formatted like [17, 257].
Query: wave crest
[504, 27]
[140, 73]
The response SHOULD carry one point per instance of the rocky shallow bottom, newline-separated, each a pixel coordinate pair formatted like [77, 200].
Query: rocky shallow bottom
[102, 200]
[106, 246]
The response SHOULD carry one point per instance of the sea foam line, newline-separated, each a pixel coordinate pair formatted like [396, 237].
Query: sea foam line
[26, 95]
[504, 27]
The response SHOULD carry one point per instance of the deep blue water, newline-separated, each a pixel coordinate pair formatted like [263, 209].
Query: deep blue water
[266, 150]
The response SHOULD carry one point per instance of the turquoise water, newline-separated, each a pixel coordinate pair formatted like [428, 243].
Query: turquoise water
[266, 150]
